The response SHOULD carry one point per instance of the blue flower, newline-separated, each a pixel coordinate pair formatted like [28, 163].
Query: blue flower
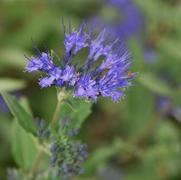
[67, 154]
[13, 173]
[46, 82]
[97, 46]
[129, 25]
[43, 63]
[34, 65]
[133, 19]
[69, 75]
[75, 41]
[108, 77]
[42, 130]
[86, 87]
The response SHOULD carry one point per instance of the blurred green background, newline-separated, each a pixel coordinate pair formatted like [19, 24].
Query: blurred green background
[136, 139]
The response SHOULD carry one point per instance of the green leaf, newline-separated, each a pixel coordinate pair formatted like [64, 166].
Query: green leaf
[24, 119]
[78, 110]
[171, 47]
[55, 58]
[7, 84]
[101, 155]
[25, 103]
[137, 111]
[154, 84]
[137, 54]
[162, 156]
[12, 57]
[23, 149]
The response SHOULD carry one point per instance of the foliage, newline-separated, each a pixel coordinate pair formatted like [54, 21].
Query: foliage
[139, 137]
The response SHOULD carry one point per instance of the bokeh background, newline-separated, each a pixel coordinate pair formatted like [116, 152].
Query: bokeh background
[136, 139]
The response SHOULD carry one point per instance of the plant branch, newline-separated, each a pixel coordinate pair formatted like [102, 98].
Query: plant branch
[60, 97]
[36, 164]
[55, 114]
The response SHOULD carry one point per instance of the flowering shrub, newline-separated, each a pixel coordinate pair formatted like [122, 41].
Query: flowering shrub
[88, 82]
[136, 138]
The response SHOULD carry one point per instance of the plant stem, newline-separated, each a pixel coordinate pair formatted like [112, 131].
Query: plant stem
[55, 114]
[36, 164]
[60, 96]
[41, 152]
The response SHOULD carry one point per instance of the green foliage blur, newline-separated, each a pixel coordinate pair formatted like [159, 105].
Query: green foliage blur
[136, 139]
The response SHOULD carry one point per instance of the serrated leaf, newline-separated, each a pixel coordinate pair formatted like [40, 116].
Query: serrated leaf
[23, 149]
[78, 110]
[24, 119]
[7, 84]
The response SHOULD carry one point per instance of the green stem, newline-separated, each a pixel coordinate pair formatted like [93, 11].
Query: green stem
[55, 114]
[60, 96]
[41, 152]
[36, 164]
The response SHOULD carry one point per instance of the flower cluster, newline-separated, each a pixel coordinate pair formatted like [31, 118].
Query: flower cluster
[109, 79]
[130, 23]
[68, 158]
[13, 174]
[68, 154]
[42, 130]
[132, 18]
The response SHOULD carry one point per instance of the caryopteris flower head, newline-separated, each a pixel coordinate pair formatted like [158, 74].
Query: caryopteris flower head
[108, 79]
